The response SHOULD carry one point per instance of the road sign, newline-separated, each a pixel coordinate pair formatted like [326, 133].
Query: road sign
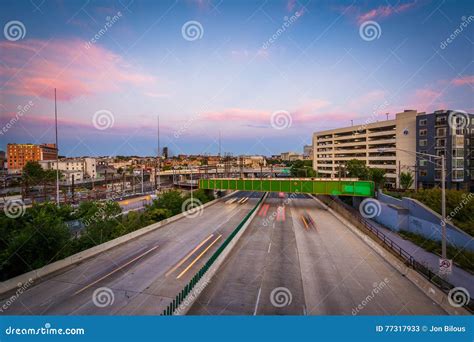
[445, 266]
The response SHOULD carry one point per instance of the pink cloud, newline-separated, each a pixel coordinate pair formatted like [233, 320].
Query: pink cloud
[466, 80]
[383, 11]
[427, 99]
[35, 67]
[290, 5]
[308, 112]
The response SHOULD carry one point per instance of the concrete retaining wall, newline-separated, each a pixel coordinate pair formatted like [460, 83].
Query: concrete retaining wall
[207, 278]
[421, 282]
[36, 275]
[413, 216]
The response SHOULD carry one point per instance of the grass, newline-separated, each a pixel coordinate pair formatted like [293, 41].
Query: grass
[465, 259]
[459, 205]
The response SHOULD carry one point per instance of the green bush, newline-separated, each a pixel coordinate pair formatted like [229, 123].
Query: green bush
[462, 257]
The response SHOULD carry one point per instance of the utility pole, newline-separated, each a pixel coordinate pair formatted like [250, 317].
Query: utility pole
[192, 185]
[57, 148]
[219, 144]
[143, 170]
[159, 152]
[443, 206]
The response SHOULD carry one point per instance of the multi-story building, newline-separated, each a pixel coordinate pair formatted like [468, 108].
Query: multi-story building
[379, 144]
[3, 159]
[290, 156]
[448, 133]
[19, 154]
[308, 151]
[80, 168]
[252, 161]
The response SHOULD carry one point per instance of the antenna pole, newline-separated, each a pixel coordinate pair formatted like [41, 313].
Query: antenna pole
[57, 148]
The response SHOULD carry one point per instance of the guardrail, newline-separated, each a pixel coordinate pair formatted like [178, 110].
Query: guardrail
[343, 208]
[181, 296]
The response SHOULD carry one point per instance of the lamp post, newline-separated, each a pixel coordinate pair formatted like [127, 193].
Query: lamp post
[443, 192]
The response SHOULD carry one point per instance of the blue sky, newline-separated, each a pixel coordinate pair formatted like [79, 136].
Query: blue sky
[265, 73]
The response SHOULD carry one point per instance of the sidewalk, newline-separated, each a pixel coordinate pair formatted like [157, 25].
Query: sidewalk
[459, 277]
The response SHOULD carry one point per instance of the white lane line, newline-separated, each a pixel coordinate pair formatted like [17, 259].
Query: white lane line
[269, 246]
[258, 299]
[116, 270]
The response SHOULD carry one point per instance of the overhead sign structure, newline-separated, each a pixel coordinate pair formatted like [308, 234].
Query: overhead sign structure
[292, 185]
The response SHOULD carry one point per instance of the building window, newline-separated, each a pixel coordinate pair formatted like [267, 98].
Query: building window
[423, 162]
[423, 173]
[423, 132]
[423, 142]
[441, 132]
[440, 143]
[423, 122]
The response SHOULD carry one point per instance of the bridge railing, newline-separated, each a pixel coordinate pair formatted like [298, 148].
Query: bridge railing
[188, 288]
[350, 213]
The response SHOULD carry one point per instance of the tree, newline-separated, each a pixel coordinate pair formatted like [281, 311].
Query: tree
[377, 176]
[156, 215]
[357, 169]
[406, 180]
[171, 200]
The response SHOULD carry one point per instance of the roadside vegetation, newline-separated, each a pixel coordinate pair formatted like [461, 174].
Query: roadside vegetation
[41, 235]
[462, 257]
[459, 205]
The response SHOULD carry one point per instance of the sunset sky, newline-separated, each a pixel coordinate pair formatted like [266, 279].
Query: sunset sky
[230, 77]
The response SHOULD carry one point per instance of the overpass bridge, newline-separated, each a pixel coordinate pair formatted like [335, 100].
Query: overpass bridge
[346, 187]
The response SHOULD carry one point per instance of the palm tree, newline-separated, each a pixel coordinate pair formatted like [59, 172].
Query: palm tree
[406, 180]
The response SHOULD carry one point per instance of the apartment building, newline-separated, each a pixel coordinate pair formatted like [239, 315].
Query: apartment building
[375, 143]
[308, 151]
[19, 154]
[290, 156]
[448, 133]
[79, 168]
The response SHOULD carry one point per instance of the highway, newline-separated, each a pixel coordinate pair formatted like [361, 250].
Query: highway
[142, 276]
[285, 265]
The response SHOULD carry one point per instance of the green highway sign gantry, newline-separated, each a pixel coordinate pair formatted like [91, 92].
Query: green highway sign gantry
[292, 185]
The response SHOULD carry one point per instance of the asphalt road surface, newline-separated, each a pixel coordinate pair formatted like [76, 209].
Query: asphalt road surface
[284, 264]
[139, 277]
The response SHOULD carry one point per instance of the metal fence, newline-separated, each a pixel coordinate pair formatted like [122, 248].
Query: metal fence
[350, 213]
[181, 296]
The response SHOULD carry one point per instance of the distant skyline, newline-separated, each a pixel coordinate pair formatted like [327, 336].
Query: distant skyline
[267, 74]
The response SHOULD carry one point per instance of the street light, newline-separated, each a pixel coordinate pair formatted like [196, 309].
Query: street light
[443, 192]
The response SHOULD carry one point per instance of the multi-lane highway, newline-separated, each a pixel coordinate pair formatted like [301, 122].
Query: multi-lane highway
[285, 264]
[139, 277]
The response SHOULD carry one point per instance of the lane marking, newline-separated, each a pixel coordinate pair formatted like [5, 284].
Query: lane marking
[256, 303]
[198, 257]
[269, 246]
[116, 270]
[188, 255]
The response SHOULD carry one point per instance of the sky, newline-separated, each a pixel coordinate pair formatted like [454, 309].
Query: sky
[264, 75]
